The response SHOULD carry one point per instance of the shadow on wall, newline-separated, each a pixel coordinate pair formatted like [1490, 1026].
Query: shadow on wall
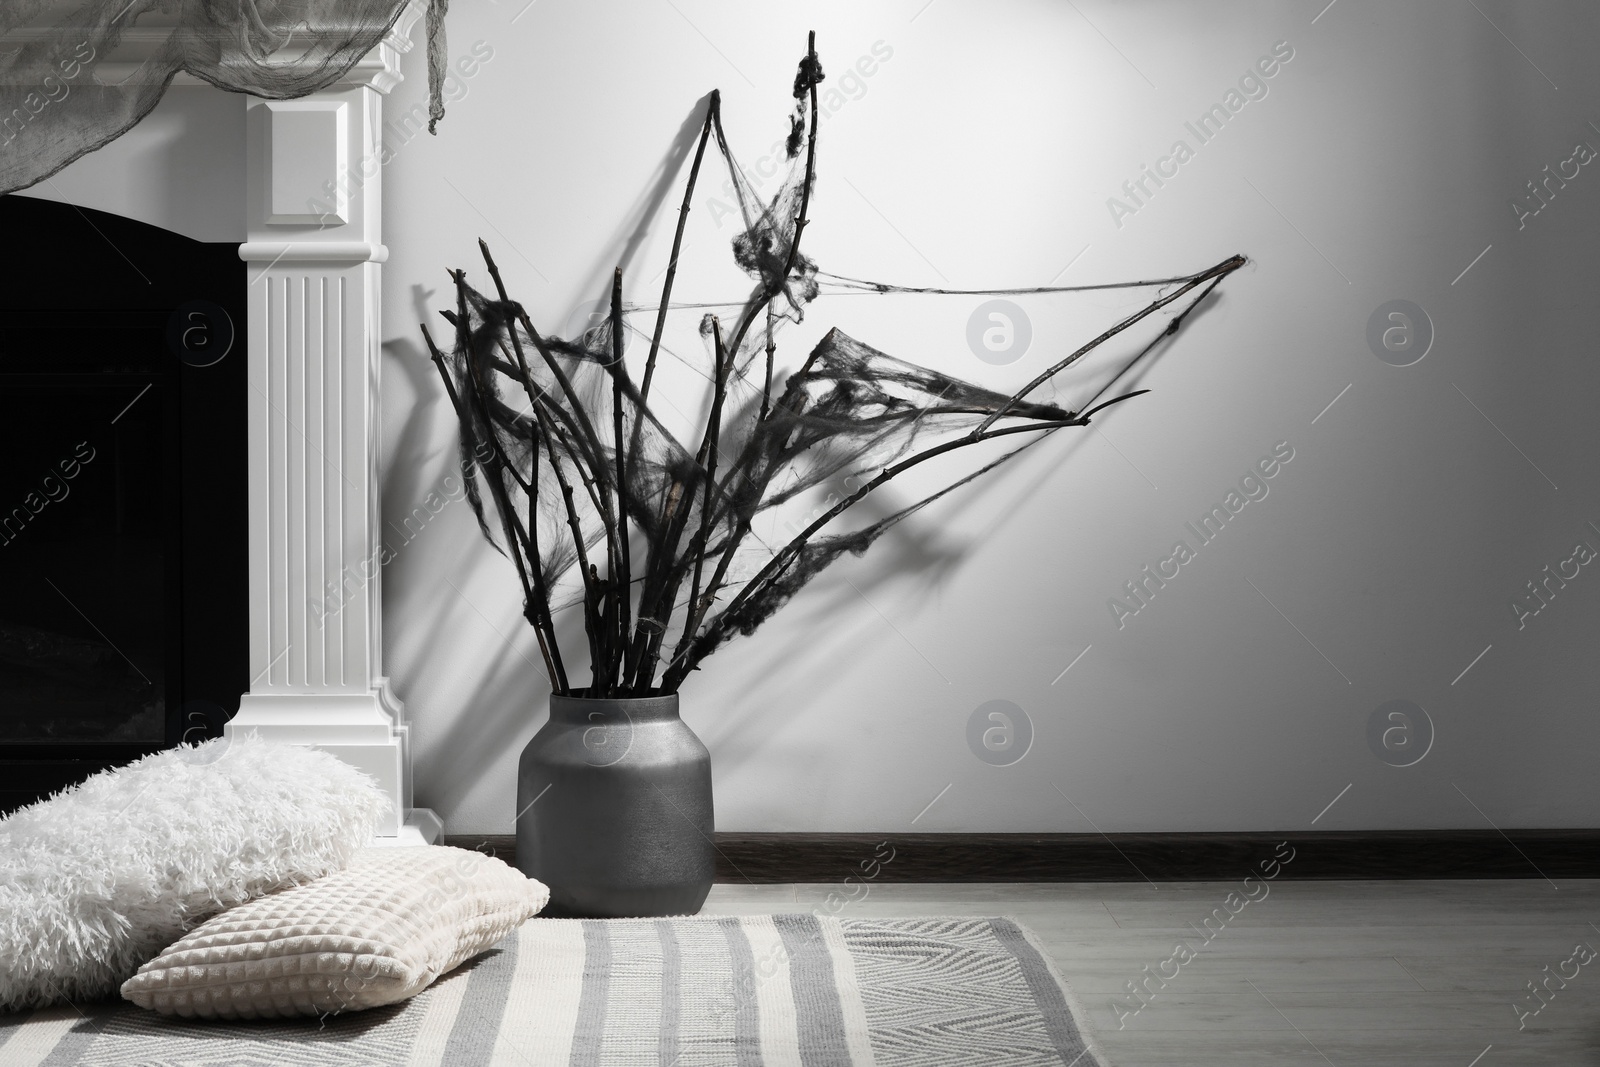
[635, 228]
[415, 450]
[504, 698]
[832, 606]
[501, 691]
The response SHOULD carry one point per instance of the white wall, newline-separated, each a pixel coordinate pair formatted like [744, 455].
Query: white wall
[983, 152]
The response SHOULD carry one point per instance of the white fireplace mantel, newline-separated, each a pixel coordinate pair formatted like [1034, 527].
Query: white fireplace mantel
[314, 248]
[314, 224]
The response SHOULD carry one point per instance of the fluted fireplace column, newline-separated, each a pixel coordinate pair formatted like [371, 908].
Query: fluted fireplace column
[315, 251]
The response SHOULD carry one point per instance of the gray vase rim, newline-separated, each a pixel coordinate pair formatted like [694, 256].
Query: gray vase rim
[658, 707]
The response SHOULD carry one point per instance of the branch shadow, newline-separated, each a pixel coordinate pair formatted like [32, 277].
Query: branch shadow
[632, 233]
[403, 479]
[911, 555]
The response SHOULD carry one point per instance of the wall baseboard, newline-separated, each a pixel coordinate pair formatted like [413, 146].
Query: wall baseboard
[1164, 857]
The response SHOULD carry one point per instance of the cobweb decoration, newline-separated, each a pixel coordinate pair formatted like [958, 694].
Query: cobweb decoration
[54, 107]
[670, 547]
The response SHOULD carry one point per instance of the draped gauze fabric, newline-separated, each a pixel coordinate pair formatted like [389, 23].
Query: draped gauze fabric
[59, 101]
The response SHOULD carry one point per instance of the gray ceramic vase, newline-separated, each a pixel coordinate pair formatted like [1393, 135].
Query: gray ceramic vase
[614, 809]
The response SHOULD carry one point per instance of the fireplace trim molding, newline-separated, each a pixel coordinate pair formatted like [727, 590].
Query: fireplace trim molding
[315, 247]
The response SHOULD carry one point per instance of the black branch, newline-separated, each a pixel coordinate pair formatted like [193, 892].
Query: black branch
[702, 543]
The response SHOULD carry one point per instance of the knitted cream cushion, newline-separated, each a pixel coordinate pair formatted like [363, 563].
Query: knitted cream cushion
[375, 933]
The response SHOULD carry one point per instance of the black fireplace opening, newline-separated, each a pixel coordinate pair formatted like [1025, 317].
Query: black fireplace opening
[123, 492]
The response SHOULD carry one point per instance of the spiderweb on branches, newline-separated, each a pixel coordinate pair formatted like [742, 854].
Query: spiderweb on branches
[664, 539]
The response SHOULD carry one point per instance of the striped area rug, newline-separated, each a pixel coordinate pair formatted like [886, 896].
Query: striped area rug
[768, 990]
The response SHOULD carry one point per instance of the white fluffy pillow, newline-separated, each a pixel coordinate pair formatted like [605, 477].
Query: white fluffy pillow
[97, 879]
[376, 933]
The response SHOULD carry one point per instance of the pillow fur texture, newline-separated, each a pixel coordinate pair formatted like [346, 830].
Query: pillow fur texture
[99, 878]
[375, 933]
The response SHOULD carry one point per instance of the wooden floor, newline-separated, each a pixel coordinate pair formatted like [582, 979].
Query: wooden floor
[1412, 973]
